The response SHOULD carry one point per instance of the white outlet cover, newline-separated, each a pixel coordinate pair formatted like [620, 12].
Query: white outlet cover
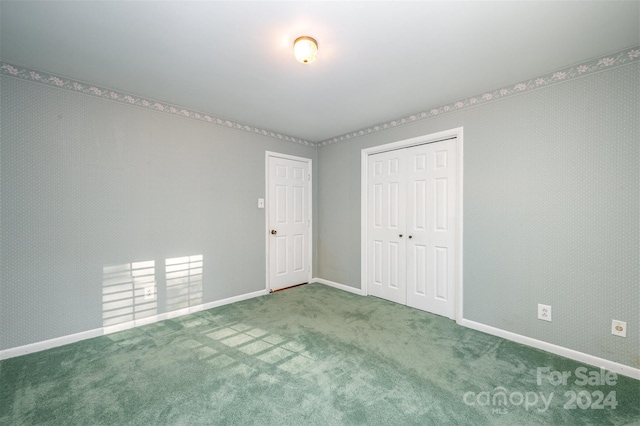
[619, 328]
[149, 293]
[261, 203]
[544, 312]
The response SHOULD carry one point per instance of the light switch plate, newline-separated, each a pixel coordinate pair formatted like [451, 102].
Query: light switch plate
[261, 203]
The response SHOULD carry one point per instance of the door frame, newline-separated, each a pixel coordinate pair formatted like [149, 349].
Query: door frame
[406, 143]
[309, 162]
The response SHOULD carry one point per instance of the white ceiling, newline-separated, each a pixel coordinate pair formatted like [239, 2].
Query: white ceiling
[377, 61]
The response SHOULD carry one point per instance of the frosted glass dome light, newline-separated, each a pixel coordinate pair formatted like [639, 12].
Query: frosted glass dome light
[306, 49]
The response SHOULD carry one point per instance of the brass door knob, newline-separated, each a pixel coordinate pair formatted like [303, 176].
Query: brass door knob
[274, 232]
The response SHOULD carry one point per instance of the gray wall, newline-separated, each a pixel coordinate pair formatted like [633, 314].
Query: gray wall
[551, 211]
[88, 183]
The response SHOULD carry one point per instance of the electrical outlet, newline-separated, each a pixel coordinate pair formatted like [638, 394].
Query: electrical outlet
[544, 312]
[619, 328]
[149, 293]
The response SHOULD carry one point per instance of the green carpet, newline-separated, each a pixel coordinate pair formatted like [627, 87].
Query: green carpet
[312, 355]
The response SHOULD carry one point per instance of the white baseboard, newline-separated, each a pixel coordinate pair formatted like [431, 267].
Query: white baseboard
[233, 299]
[72, 338]
[51, 343]
[338, 286]
[617, 368]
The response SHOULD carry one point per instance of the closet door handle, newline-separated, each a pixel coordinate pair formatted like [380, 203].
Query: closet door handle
[400, 235]
[410, 236]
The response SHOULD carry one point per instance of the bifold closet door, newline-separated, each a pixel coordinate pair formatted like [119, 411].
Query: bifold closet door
[431, 179]
[387, 221]
[411, 214]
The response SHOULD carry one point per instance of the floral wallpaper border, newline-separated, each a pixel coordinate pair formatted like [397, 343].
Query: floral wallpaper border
[613, 60]
[33, 75]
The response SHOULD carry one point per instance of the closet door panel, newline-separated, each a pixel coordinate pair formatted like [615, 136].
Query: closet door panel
[418, 217]
[436, 240]
[386, 195]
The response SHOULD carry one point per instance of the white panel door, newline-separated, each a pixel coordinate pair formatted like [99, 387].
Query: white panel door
[431, 197]
[386, 218]
[289, 222]
[411, 205]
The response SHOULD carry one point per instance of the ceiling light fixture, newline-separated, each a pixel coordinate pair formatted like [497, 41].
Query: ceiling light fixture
[306, 49]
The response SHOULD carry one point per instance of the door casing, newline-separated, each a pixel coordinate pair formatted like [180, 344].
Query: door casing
[434, 137]
[269, 154]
